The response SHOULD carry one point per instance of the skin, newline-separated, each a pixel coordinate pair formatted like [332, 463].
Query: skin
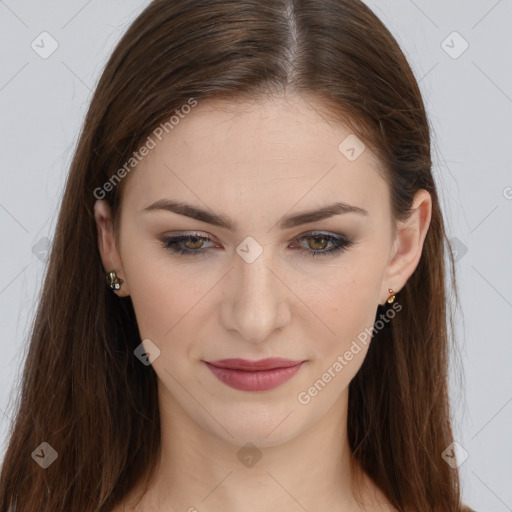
[254, 163]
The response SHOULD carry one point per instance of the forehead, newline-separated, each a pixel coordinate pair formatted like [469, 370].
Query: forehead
[273, 151]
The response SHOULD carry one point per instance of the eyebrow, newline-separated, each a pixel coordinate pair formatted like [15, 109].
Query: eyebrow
[285, 222]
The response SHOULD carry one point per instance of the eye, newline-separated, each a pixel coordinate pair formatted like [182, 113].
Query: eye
[192, 244]
[318, 242]
[177, 244]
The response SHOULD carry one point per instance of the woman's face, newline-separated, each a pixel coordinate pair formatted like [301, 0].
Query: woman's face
[266, 284]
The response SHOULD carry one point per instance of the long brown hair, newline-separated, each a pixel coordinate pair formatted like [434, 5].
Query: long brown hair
[82, 389]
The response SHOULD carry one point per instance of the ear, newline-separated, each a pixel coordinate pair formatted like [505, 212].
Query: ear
[408, 245]
[107, 244]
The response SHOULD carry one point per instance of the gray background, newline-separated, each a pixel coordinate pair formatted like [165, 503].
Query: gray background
[469, 102]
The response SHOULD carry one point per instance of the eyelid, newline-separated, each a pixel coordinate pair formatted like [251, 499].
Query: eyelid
[180, 235]
[201, 234]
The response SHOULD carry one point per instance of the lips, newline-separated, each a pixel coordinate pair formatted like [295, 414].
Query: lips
[261, 375]
[263, 364]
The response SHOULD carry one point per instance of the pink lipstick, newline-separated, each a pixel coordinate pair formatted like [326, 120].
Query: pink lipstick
[259, 375]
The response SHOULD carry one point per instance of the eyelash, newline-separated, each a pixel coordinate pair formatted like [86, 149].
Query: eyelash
[341, 244]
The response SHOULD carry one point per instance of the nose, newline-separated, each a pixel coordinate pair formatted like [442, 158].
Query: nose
[257, 299]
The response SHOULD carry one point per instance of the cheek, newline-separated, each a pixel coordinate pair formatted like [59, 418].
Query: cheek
[162, 291]
[347, 307]
[337, 356]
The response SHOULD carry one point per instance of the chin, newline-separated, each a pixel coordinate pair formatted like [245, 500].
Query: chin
[263, 424]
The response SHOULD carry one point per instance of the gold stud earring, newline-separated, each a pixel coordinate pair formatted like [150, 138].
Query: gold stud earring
[113, 281]
[391, 298]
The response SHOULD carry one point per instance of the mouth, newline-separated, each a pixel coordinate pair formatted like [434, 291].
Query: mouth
[261, 375]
